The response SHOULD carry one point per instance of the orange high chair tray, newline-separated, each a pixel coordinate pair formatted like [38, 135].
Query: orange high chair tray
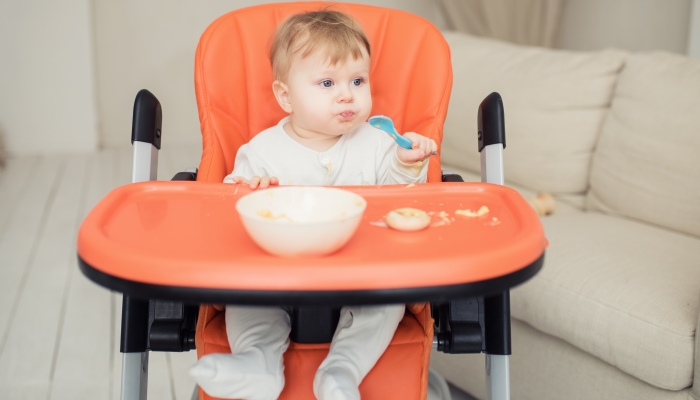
[186, 240]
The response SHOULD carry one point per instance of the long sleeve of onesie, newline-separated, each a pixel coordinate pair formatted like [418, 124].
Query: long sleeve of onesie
[366, 156]
[394, 171]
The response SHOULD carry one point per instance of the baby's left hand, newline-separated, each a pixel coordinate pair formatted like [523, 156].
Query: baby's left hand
[423, 148]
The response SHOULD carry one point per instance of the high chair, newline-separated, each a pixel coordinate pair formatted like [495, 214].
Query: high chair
[168, 246]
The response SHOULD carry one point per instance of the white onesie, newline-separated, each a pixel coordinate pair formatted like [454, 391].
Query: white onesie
[259, 336]
[363, 156]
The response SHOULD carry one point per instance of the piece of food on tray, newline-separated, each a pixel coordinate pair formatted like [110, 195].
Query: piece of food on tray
[408, 219]
[469, 213]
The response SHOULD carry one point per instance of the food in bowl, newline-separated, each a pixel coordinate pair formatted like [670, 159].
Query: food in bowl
[301, 221]
[408, 219]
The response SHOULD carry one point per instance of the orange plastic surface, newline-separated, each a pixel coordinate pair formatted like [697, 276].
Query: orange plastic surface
[190, 235]
[401, 372]
[410, 77]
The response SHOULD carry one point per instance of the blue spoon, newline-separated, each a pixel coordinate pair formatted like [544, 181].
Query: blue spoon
[387, 125]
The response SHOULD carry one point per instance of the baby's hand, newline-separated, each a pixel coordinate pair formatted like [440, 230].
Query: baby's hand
[423, 148]
[257, 182]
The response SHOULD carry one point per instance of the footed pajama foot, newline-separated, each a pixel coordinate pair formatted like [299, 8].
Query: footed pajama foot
[236, 377]
[335, 384]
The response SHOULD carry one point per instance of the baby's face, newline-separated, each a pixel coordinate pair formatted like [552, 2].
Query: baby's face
[329, 100]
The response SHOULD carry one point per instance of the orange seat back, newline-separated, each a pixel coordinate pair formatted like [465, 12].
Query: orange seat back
[410, 77]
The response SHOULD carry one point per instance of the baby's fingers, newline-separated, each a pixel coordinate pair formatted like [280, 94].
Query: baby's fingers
[421, 142]
[411, 156]
[254, 182]
[239, 180]
[432, 147]
[266, 181]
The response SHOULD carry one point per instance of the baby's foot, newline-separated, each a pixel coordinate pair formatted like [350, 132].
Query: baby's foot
[335, 384]
[236, 377]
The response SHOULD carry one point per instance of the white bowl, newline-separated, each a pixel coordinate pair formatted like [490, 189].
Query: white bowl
[300, 221]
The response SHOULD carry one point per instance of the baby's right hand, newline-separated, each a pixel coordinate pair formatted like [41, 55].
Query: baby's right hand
[257, 182]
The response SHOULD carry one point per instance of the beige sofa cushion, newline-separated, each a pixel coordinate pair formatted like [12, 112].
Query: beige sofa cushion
[554, 103]
[646, 165]
[546, 368]
[621, 290]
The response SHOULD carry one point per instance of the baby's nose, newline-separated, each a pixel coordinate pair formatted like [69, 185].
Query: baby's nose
[345, 96]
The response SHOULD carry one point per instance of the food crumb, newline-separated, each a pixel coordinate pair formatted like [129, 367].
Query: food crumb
[469, 213]
[267, 214]
[444, 218]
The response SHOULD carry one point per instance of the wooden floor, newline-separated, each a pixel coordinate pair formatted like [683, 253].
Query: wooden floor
[59, 331]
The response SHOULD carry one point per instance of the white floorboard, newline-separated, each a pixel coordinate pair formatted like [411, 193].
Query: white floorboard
[59, 332]
[13, 183]
[20, 237]
[41, 293]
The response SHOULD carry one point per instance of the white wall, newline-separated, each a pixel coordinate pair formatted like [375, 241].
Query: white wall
[627, 24]
[151, 44]
[47, 95]
[694, 35]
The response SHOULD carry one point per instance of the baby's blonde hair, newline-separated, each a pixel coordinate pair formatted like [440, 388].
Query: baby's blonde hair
[336, 34]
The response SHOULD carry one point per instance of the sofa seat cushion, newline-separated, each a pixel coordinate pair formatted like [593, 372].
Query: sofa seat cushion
[623, 291]
[645, 166]
[554, 101]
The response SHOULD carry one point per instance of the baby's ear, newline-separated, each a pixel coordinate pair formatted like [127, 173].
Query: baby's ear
[281, 91]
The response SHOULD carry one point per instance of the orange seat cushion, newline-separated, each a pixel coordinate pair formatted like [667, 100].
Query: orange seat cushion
[401, 372]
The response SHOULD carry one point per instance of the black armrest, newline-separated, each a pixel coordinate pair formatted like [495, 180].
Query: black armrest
[185, 176]
[452, 178]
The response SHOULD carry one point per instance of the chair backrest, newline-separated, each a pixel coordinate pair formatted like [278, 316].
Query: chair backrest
[410, 77]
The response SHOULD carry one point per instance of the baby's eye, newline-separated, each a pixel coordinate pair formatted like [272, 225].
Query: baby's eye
[327, 83]
[357, 81]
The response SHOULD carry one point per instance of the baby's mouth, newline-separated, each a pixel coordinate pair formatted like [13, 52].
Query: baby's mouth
[347, 114]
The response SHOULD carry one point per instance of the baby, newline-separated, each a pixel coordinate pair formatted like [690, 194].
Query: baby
[321, 66]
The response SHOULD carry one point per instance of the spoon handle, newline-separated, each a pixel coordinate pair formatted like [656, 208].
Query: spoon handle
[387, 125]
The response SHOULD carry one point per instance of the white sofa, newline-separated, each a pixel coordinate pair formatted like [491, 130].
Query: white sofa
[615, 136]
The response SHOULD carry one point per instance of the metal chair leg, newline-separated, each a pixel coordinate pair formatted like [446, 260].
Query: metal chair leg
[497, 377]
[134, 376]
